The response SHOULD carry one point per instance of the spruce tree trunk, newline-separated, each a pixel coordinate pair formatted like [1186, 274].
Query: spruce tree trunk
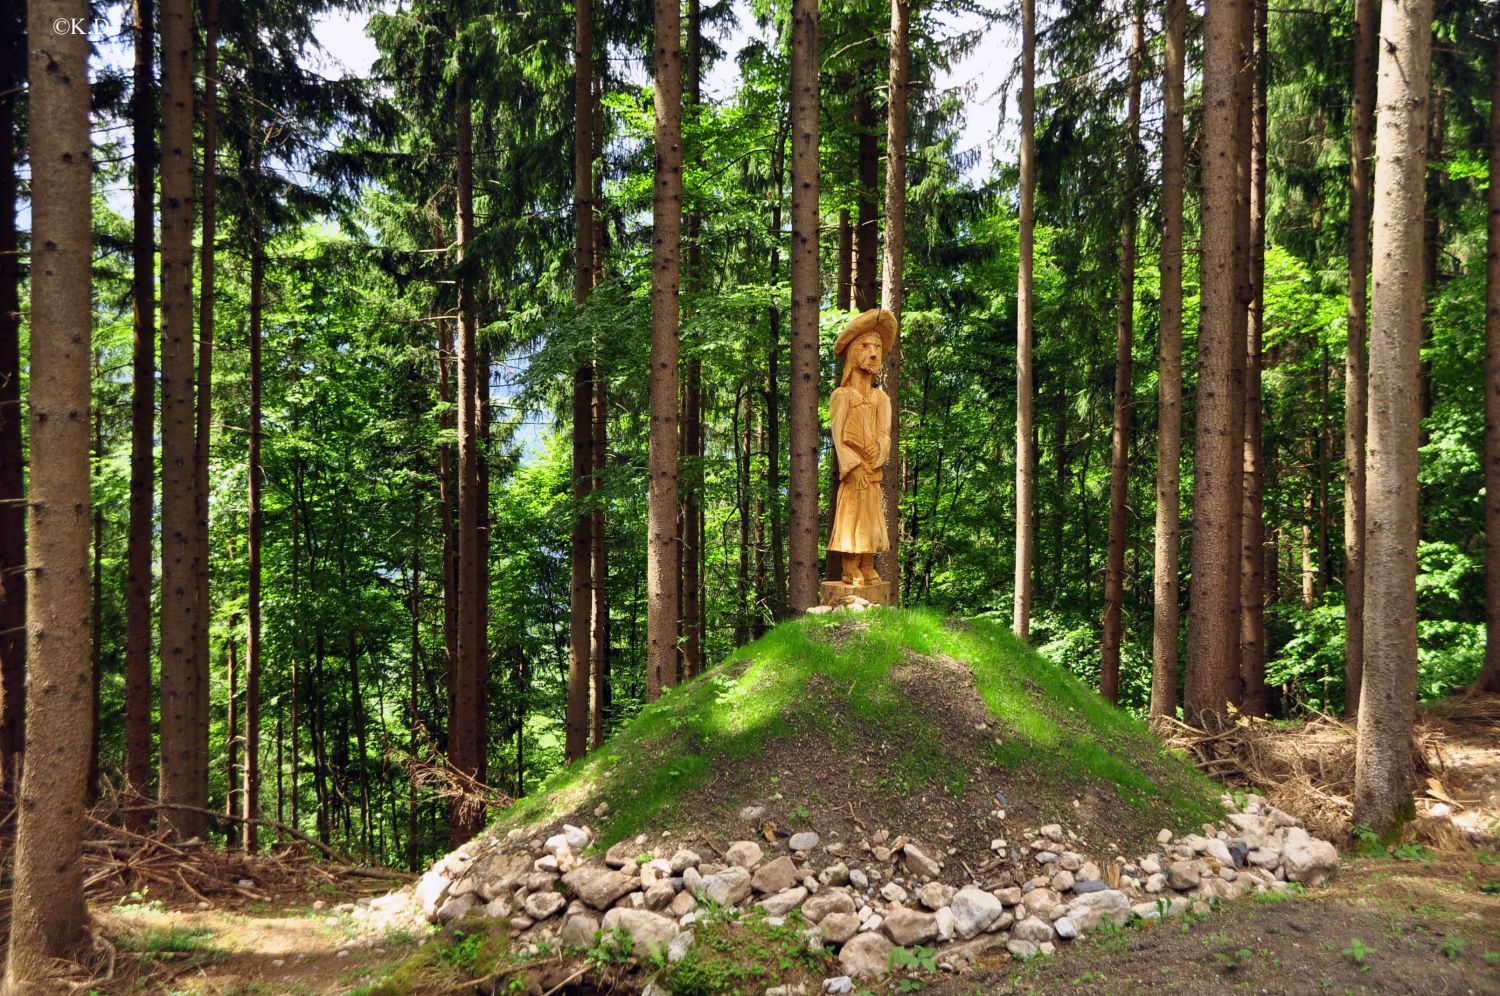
[12, 469]
[1119, 464]
[204, 410]
[866, 222]
[140, 534]
[599, 557]
[96, 612]
[580, 603]
[1255, 701]
[47, 907]
[1166, 583]
[448, 500]
[778, 600]
[231, 727]
[179, 780]
[1213, 614]
[666, 212]
[894, 283]
[1356, 363]
[1025, 471]
[251, 794]
[844, 294]
[1383, 775]
[1489, 676]
[692, 427]
[463, 737]
[802, 541]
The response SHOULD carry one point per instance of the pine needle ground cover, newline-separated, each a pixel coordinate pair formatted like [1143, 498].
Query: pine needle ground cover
[893, 718]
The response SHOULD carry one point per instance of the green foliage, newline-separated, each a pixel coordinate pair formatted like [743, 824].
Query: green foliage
[1358, 952]
[741, 956]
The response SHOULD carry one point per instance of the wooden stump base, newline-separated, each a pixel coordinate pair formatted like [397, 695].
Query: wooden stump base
[836, 592]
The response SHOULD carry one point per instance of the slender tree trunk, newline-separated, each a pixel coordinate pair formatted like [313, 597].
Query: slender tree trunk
[251, 794]
[296, 645]
[803, 404]
[867, 222]
[1489, 677]
[894, 282]
[1025, 472]
[231, 727]
[576, 726]
[1325, 450]
[47, 907]
[692, 428]
[357, 707]
[96, 612]
[414, 684]
[1119, 464]
[1213, 615]
[666, 209]
[204, 411]
[481, 682]
[463, 737]
[599, 564]
[178, 781]
[599, 548]
[740, 434]
[1383, 773]
[141, 531]
[778, 600]
[1166, 583]
[1255, 700]
[1356, 362]
[844, 296]
[448, 499]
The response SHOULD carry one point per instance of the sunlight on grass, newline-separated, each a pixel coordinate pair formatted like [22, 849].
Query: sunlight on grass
[762, 692]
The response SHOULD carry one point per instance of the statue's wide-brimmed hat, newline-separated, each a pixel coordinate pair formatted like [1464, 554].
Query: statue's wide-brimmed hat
[876, 320]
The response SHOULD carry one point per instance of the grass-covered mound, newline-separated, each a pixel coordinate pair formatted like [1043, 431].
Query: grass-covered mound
[893, 718]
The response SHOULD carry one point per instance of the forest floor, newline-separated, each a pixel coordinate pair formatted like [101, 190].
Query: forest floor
[850, 728]
[1385, 925]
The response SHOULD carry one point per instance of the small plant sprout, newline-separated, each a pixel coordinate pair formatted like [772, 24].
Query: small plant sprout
[1358, 952]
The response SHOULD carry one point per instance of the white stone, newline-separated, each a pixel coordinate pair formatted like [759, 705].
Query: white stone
[648, 931]
[866, 956]
[974, 910]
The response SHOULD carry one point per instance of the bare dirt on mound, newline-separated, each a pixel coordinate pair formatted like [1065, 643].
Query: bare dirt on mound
[844, 780]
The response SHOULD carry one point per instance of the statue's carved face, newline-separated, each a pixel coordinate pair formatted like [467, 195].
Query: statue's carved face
[866, 353]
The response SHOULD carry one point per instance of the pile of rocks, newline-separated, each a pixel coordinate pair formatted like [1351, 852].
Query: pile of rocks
[861, 899]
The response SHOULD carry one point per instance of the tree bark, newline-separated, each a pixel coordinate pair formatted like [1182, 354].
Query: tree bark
[231, 726]
[463, 735]
[204, 410]
[894, 283]
[778, 599]
[802, 541]
[12, 467]
[1166, 582]
[1356, 361]
[448, 500]
[251, 794]
[179, 780]
[866, 222]
[47, 907]
[1119, 464]
[96, 612]
[844, 294]
[1213, 614]
[1489, 676]
[666, 210]
[141, 530]
[1255, 700]
[1383, 775]
[580, 604]
[1025, 472]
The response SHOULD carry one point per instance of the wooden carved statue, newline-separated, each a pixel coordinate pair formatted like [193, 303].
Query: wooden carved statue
[860, 414]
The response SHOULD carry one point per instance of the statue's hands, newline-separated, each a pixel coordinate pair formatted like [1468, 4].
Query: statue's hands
[871, 453]
[853, 474]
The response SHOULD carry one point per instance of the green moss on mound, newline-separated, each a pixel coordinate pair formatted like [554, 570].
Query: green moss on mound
[881, 701]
